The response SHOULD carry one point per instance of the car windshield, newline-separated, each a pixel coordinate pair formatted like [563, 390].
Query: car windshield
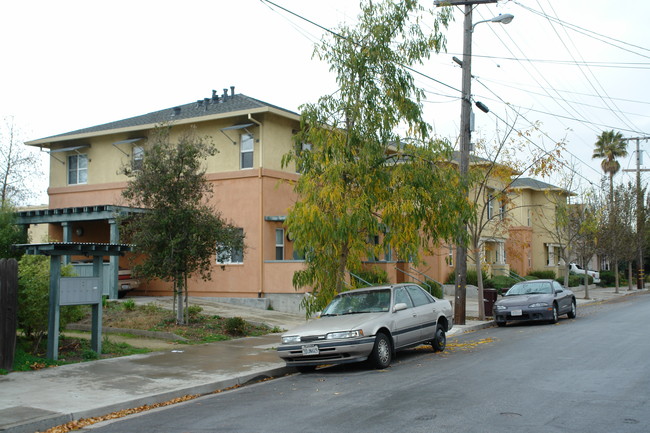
[531, 288]
[359, 302]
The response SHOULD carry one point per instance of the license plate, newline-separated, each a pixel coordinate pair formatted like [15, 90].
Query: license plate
[515, 313]
[312, 349]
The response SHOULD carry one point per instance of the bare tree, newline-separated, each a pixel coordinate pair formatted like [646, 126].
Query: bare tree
[18, 165]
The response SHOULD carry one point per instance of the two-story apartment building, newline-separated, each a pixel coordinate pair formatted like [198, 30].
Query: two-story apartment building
[534, 242]
[251, 189]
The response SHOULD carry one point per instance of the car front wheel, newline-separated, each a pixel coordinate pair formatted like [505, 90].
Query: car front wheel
[439, 341]
[555, 315]
[382, 352]
[572, 314]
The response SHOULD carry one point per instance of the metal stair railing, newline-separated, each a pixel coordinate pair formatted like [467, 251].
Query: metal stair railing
[516, 276]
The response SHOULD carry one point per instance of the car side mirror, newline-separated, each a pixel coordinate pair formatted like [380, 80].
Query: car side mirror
[558, 291]
[399, 307]
[317, 315]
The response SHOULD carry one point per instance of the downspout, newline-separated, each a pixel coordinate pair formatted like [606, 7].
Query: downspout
[260, 289]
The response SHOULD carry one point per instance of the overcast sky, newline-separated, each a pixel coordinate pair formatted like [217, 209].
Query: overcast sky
[74, 64]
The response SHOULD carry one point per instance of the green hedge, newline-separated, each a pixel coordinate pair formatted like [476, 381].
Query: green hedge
[471, 277]
[543, 275]
[500, 282]
[575, 280]
[608, 278]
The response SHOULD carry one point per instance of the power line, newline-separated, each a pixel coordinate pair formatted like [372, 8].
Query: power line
[586, 32]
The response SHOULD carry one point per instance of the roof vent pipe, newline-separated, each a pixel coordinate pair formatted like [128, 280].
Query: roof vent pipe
[176, 111]
[232, 90]
[225, 93]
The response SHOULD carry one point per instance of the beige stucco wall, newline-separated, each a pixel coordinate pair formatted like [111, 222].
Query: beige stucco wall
[244, 197]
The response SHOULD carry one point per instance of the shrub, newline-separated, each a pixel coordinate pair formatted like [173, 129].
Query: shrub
[501, 282]
[472, 277]
[193, 312]
[435, 289]
[128, 305]
[372, 275]
[544, 275]
[34, 295]
[575, 280]
[608, 278]
[235, 326]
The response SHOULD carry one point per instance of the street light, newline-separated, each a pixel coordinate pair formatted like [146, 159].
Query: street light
[501, 18]
[465, 137]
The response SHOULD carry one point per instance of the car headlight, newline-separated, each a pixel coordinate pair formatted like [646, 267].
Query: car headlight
[344, 334]
[291, 339]
[500, 307]
[538, 304]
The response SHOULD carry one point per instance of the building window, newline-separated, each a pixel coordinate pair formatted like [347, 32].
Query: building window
[528, 217]
[77, 169]
[279, 244]
[229, 256]
[490, 206]
[450, 256]
[551, 255]
[138, 157]
[247, 146]
[502, 209]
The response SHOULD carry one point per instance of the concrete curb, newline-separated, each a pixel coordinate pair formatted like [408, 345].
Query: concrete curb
[51, 419]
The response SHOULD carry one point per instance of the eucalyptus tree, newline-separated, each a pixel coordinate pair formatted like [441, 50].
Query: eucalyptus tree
[361, 179]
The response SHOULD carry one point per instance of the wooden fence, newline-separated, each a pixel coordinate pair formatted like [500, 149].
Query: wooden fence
[8, 311]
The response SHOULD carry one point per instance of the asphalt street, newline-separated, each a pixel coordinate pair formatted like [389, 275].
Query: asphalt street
[583, 375]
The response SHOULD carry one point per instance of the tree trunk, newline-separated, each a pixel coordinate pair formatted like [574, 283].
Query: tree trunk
[343, 259]
[586, 284]
[179, 301]
[616, 276]
[629, 275]
[479, 280]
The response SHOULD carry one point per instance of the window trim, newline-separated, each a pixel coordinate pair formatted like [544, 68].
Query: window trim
[279, 246]
[243, 152]
[226, 258]
[77, 170]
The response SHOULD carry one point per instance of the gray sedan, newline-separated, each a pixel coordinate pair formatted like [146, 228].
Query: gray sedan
[369, 324]
[535, 300]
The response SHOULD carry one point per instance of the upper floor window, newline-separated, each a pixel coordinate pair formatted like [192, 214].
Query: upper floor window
[138, 157]
[246, 148]
[77, 169]
[490, 206]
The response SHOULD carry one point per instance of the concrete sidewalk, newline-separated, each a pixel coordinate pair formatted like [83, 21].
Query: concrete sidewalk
[38, 400]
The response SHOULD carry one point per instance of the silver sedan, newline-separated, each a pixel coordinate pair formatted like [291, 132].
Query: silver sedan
[369, 324]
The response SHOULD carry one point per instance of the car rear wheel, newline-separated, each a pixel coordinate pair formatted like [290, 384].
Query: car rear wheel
[554, 319]
[572, 314]
[501, 323]
[382, 352]
[439, 341]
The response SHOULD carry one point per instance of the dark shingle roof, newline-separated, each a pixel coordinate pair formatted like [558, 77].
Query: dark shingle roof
[205, 107]
[530, 183]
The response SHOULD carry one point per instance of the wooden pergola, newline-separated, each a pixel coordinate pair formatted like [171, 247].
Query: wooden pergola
[75, 290]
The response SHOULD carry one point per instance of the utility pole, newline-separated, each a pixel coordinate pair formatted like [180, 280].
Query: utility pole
[640, 213]
[460, 291]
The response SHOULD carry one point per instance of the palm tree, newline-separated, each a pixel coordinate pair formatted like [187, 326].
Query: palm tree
[610, 145]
